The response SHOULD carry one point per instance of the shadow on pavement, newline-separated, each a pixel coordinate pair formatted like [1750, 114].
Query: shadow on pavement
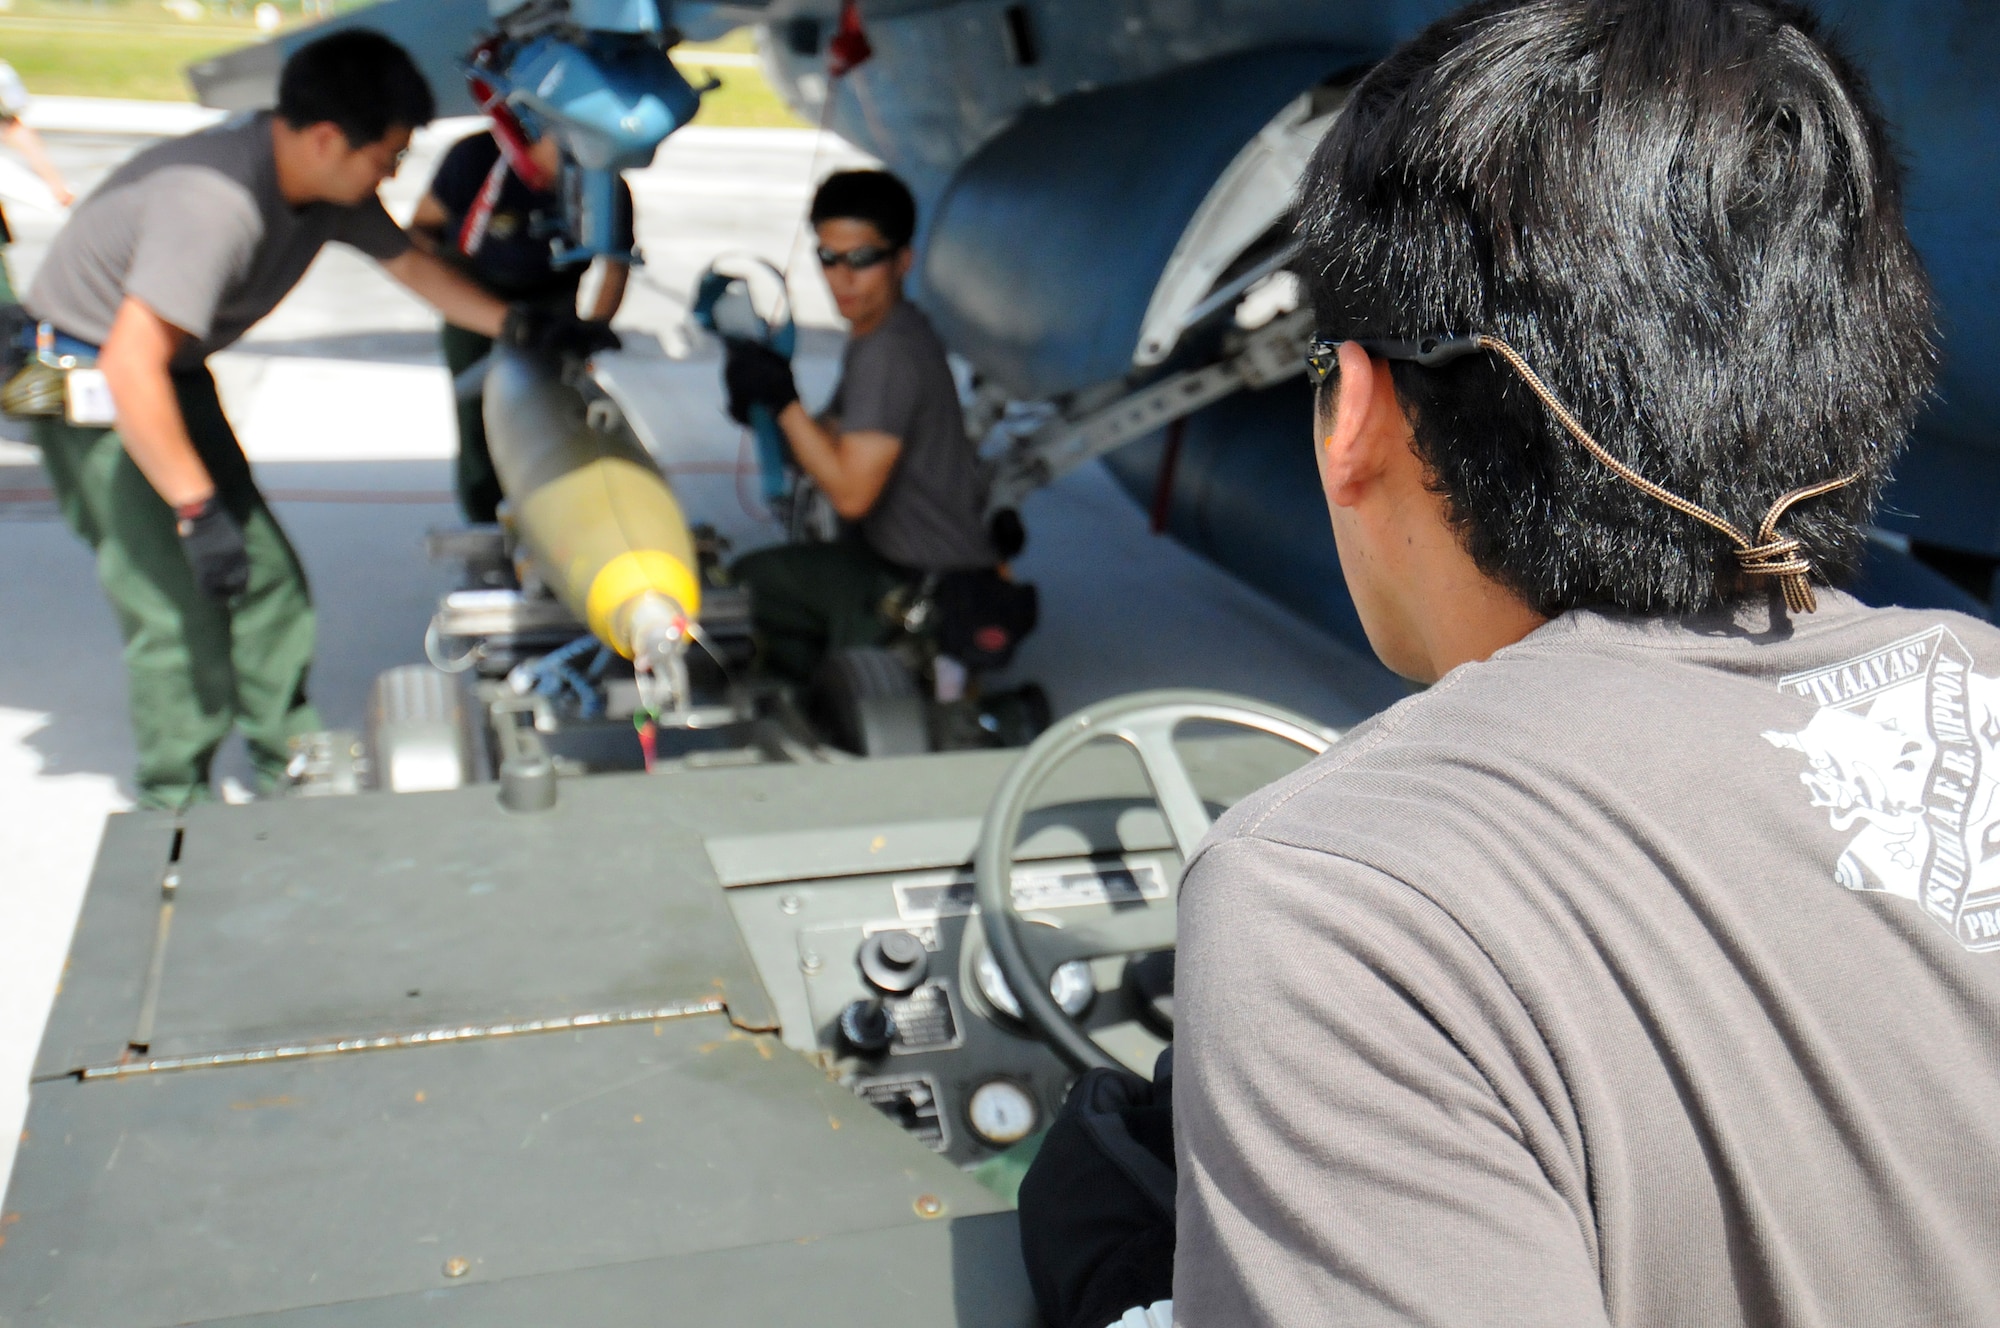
[359, 528]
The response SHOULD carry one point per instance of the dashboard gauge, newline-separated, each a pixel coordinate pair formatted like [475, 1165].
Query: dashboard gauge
[1070, 986]
[1001, 1112]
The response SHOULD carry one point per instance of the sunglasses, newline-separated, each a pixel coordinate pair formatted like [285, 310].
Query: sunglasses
[856, 260]
[1323, 356]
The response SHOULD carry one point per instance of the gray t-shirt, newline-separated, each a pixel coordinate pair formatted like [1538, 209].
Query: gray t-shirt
[1645, 974]
[895, 380]
[196, 229]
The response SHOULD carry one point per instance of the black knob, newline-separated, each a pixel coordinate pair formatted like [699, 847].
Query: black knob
[894, 961]
[867, 1027]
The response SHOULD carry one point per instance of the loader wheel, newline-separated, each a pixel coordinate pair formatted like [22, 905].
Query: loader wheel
[1018, 716]
[868, 703]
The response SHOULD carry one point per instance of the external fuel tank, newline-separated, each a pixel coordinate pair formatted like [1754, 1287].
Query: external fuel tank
[591, 508]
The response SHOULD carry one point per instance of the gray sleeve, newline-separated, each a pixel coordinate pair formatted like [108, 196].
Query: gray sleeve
[198, 238]
[1361, 1115]
[368, 227]
[878, 390]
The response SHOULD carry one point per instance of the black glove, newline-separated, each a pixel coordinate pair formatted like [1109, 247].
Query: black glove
[755, 375]
[17, 331]
[1097, 1204]
[546, 331]
[213, 543]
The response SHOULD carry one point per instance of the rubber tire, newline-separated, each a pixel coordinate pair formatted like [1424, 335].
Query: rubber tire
[1020, 714]
[867, 701]
[419, 733]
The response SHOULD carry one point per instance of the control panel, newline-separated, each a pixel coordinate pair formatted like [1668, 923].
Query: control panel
[889, 980]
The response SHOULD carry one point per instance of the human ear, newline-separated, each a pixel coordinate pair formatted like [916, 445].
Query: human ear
[906, 258]
[1350, 456]
[329, 144]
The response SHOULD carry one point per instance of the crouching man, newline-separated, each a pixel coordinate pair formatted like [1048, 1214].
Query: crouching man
[890, 452]
[1645, 968]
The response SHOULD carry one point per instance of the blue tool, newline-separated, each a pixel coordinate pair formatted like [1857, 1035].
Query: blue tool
[724, 305]
[594, 73]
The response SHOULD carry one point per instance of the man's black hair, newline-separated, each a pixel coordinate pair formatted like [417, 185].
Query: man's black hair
[1686, 215]
[358, 80]
[875, 197]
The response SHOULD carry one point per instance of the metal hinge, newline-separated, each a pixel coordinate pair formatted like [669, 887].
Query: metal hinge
[1271, 354]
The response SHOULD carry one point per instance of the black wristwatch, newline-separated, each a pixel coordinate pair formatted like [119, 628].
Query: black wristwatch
[187, 515]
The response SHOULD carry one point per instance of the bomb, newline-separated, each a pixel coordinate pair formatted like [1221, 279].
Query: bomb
[593, 511]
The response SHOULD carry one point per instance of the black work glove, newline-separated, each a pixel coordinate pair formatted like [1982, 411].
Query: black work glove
[546, 331]
[755, 375]
[213, 543]
[16, 332]
[1097, 1204]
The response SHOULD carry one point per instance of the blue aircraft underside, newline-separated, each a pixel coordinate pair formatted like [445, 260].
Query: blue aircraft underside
[1062, 148]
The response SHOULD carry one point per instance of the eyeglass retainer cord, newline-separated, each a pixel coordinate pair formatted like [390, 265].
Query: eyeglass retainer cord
[1767, 555]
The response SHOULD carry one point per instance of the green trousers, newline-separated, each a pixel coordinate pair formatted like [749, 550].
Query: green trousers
[478, 485]
[194, 667]
[807, 599]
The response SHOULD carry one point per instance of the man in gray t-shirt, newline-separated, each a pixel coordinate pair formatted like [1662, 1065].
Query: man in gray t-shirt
[171, 259]
[895, 382]
[201, 232]
[1645, 969]
[890, 454]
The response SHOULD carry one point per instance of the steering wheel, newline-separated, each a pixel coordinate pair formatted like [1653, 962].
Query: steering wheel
[1146, 722]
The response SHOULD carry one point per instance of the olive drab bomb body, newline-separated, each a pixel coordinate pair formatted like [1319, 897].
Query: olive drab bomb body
[594, 514]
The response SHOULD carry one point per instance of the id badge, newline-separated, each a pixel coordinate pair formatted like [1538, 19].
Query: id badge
[87, 399]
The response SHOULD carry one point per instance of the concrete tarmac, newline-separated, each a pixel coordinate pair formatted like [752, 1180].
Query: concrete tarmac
[342, 403]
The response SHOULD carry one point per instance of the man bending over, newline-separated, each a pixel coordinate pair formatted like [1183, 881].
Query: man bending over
[172, 259]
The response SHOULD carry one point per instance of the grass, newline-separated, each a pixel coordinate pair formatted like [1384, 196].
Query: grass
[744, 100]
[739, 40]
[136, 49]
[110, 50]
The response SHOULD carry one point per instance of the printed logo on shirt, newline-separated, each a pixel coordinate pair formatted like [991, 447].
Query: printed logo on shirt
[1902, 750]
